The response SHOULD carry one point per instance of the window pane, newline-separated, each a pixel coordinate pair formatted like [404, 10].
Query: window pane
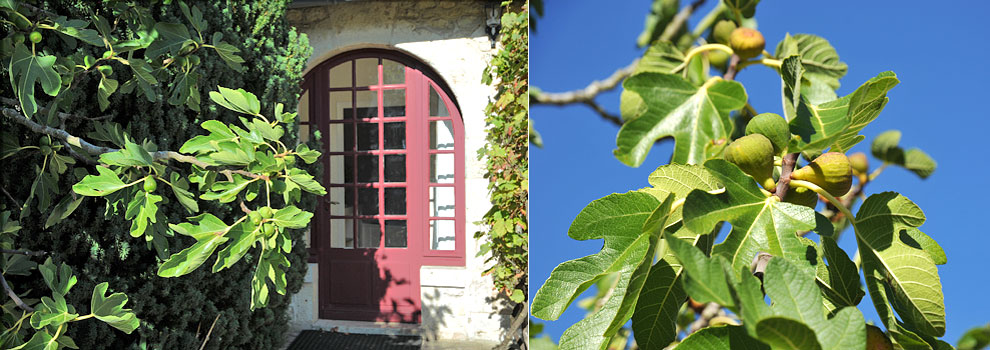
[341, 169]
[341, 201]
[367, 136]
[303, 133]
[442, 134]
[340, 75]
[395, 73]
[367, 201]
[395, 102]
[303, 109]
[370, 233]
[395, 168]
[442, 201]
[395, 233]
[367, 71]
[442, 168]
[395, 201]
[437, 107]
[442, 234]
[367, 104]
[342, 233]
[395, 135]
[341, 137]
[367, 168]
[340, 105]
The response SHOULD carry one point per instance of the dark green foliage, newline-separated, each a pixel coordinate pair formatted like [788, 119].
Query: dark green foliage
[175, 312]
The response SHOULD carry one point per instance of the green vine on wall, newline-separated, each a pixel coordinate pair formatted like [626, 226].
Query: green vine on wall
[505, 227]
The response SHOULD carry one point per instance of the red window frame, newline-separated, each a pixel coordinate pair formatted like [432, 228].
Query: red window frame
[420, 78]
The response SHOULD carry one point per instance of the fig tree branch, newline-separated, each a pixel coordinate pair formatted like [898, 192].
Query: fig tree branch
[13, 296]
[786, 167]
[92, 149]
[23, 252]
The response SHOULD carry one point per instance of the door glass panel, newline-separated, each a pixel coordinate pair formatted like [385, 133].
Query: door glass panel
[303, 133]
[395, 102]
[341, 203]
[442, 234]
[370, 232]
[367, 201]
[367, 102]
[395, 168]
[395, 233]
[340, 105]
[367, 71]
[339, 169]
[442, 135]
[303, 109]
[442, 168]
[367, 136]
[340, 75]
[341, 137]
[394, 73]
[395, 201]
[367, 168]
[437, 107]
[349, 169]
[395, 135]
[442, 201]
[341, 233]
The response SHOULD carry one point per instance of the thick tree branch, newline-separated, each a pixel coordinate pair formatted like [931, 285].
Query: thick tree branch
[13, 296]
[517, 322]
[23, 252]
[710, 311]
[730, 73]
[92, 149]
[679, 20]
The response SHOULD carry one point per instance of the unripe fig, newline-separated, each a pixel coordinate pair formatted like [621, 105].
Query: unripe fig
[723, 31]
[801, 196]
[830, 171]
[266, 212]
[268, 229]
[859, 163]
[774, 127]
[255, 217]
[107, 54]
[194, 60]
[46, 150]
[876, 339]
[35, 37]
[149, 184]
[18, 38]
[718, 58]
[746, 42]
[754, 155]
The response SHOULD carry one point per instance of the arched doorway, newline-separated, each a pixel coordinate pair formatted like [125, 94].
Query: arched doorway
[393, 160]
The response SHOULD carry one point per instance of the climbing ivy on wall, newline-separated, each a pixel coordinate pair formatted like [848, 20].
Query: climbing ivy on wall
[505, 230]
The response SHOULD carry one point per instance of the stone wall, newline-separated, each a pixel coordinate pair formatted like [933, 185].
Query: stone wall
[458, 303]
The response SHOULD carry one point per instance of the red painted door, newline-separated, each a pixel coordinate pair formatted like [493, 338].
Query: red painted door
[378, 221]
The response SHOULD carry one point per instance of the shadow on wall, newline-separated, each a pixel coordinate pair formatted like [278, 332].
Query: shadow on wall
[434, 315]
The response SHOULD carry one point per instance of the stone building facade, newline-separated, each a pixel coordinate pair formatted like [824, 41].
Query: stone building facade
[444, 44]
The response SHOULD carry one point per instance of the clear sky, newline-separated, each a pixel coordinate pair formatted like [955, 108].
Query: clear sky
[939, 106]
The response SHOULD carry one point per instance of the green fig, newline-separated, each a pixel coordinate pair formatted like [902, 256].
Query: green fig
[754, 155]
[718, 58]
[35, 37]
[830, 171]
[746, 43]
[266, 212]
[801, 196]
[723, 31]
[268, 229]
[859, 163]
[876, 339]
[255, 217]
[18, 38]
[149, 184]
[774, 127]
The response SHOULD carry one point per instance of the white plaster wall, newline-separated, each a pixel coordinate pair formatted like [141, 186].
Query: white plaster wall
[458, 303]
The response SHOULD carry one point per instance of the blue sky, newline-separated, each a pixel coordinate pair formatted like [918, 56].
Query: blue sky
[939, 106]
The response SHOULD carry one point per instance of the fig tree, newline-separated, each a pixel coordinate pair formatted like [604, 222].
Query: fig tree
[830, 171]
[746, 42]
[774, 127]
[754, 155]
